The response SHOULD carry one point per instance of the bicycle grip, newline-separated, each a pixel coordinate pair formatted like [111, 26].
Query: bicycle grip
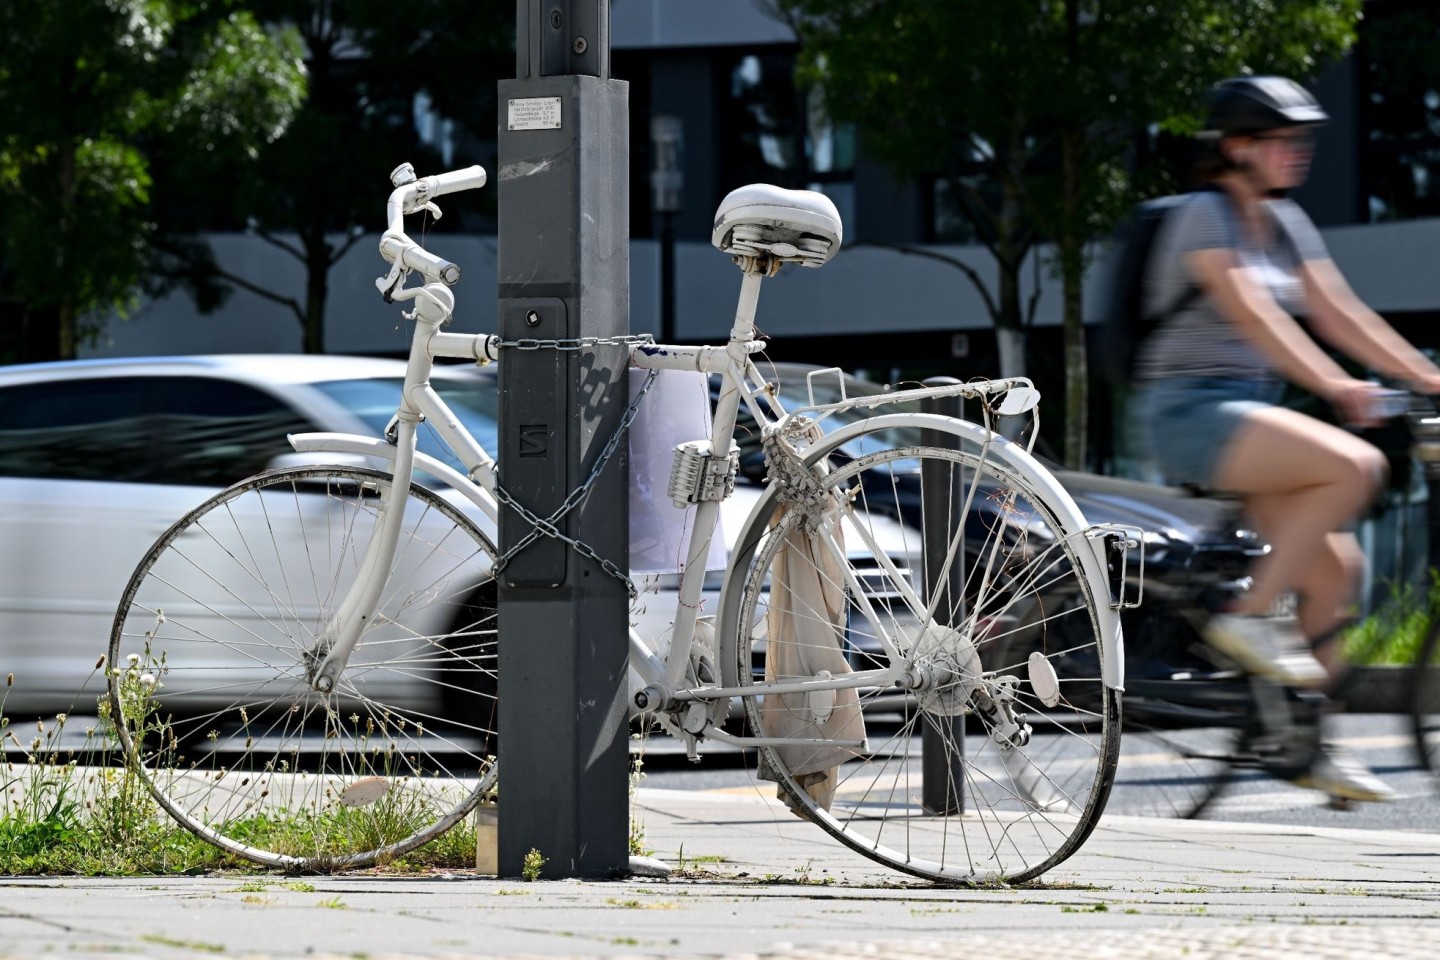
[418, 258]
[470, 178]
[412, 256]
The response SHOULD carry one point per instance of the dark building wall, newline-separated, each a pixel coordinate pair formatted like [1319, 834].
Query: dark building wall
[1333, 193]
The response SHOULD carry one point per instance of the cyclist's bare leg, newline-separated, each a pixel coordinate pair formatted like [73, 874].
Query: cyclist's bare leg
[1309, 478]
[1302, 480]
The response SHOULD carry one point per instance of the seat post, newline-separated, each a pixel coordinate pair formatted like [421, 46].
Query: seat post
[756, 269]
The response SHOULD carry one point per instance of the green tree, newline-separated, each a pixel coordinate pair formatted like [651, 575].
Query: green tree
[93, 94]
[320, 188]
[1026, 112]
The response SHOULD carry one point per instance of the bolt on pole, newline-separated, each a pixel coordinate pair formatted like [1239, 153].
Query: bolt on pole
[563, 185]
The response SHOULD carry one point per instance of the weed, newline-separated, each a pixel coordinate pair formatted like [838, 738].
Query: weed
[70, 808]
[637, 773]
[534, 863]
[334, 903]
[191, 945]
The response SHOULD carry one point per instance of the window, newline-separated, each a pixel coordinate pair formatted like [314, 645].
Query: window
[475, 401]
[1400, 109]
[180, 430]
[773, 133]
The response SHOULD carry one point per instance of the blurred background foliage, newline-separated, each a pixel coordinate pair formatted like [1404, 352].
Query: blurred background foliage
[129, 126]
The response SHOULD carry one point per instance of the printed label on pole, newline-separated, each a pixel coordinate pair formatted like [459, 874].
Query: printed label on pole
[535, 113]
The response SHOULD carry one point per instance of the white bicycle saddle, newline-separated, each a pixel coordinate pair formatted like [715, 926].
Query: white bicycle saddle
[793, 226]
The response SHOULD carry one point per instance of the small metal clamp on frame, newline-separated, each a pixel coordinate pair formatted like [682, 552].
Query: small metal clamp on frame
[1120, 539]
[696, 476]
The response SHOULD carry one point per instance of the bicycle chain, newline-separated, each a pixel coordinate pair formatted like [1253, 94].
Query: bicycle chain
[548, 526]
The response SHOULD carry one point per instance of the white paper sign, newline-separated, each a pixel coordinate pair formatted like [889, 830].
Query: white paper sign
[676, 409]
[535, 113]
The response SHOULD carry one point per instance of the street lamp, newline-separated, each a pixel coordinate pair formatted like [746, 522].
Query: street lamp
[667, 185]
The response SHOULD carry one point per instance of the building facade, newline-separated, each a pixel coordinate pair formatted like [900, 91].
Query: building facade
[722, 72]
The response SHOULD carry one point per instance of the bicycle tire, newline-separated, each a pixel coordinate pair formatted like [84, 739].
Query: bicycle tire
[1424, 706]
[1174, 769]
[207, 663]
[1184, 712]
[1189, 742]
[1000, 814]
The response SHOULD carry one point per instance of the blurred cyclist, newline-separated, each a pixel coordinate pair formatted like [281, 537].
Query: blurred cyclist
[1232, 268]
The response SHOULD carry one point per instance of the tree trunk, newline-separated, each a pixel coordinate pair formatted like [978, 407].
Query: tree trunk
[1010, 249]
[317, 288]
[67, 227]
[1010, 344]
[1072, 269]
[39, 338]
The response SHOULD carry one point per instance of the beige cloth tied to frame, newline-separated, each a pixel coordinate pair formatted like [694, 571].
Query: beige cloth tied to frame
[805, 627]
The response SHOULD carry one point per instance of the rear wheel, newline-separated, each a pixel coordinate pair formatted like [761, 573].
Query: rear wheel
[1011, 642]
[1425, 702]
[209, 655]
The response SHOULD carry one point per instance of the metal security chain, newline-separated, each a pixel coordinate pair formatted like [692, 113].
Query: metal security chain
[577, 343]
[548, 526]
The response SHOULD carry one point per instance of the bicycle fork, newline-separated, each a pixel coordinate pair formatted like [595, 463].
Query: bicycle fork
[326, 658]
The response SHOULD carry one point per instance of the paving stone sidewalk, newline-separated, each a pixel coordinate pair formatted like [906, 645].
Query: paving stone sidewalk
[757, 882]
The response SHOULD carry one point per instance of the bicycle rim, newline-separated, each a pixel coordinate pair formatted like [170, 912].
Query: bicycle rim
[993, 810]
[208, 661]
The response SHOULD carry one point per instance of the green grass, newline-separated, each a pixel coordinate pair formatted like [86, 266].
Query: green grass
[1394, 634]
[86, 812]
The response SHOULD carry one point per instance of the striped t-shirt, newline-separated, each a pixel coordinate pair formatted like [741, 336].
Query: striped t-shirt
[1198, 341]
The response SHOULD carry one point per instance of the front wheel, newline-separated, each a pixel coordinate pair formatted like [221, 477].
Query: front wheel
[215, 634]
[998, 767]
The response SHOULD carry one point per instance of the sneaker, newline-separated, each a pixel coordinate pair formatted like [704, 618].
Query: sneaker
[1269, 647]
[1343, 776]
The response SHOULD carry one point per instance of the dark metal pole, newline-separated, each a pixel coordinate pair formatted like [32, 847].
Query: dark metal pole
[942, 738]
[667, 187]
[667, 277]
[563, 273]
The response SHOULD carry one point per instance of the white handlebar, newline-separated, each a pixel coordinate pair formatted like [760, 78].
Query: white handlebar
[409, 196]
[411, 256]
[471, 178]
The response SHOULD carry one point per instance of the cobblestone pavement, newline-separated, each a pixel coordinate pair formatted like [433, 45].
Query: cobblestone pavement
[1313, 942]
[1225, 943]
[760, 883]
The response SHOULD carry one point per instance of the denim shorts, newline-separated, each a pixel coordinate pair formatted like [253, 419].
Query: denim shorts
[1183, 426]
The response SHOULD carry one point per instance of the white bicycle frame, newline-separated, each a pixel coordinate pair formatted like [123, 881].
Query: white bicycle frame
[664, 688]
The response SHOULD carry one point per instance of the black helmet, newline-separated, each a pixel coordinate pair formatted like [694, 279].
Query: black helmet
[1246, 105]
